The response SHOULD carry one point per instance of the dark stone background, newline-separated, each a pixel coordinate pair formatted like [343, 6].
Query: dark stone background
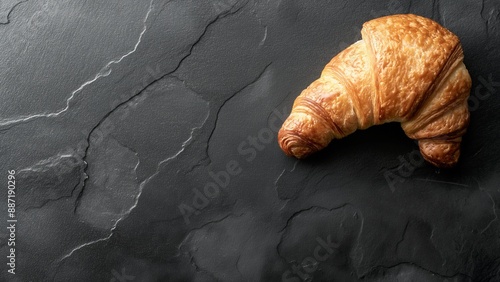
[118, 116]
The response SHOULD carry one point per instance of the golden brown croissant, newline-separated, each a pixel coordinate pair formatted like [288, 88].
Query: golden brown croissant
[407, 69]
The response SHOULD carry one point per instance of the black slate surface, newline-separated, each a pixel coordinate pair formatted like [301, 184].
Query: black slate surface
[143, 139]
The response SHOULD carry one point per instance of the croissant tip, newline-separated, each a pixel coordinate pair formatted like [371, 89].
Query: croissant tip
[444, 164]
[294, 145]
[442, 154]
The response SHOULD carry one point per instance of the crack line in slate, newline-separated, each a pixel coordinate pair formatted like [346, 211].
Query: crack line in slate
[104, 72]
[443, 182]
[185, 84]
[84, 245]
[53, 200]
[160, 11]
[278, 178]
[185, 143]
[196, 42]
[210, 23]
[280, 103]
[494, 212]
[297, 213]
[276, 185]
[402, 236]
[192, 260]
[116, 223]
[219, 220]
[183, 147]
[141, 188]
[237, 267]
[316, 185]
[476, 153]
[486, 21]
[307, 180]
[255, 14]
[125, 214]
[261, 74]
[481, 12]
[414, 265]
[43, 163]
[162, 221]
[265, 37]
[124, 146]
[11, 10]
[230, 214]
[243, 248]
[200, 269]
[494, 206]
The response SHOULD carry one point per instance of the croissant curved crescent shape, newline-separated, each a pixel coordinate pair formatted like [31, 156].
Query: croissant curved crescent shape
[406, 69]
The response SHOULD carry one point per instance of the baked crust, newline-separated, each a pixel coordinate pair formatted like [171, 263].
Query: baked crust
[406, 69]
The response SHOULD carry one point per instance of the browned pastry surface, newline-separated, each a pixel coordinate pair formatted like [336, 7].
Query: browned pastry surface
[406, 69]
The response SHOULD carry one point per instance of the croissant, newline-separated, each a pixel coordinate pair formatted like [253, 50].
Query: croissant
[407, 69]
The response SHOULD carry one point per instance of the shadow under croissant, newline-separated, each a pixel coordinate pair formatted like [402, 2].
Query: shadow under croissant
[378, 143]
